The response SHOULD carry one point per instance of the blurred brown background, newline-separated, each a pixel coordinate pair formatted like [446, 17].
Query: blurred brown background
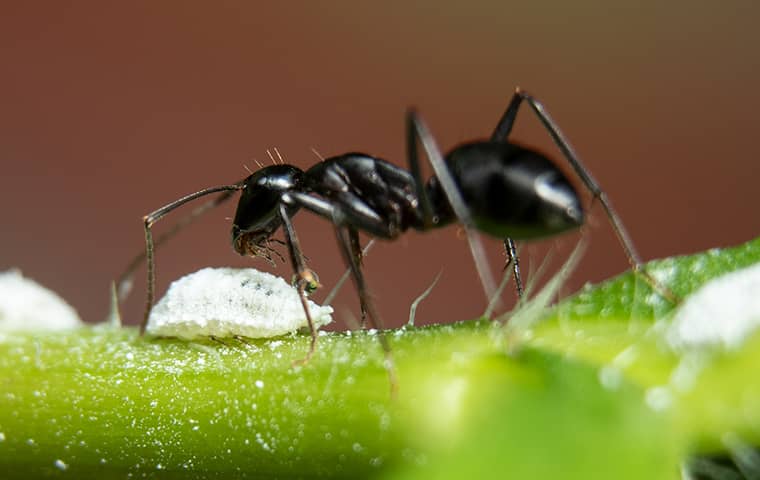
[109, 110]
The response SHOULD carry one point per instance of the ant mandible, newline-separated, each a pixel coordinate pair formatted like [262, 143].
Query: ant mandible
[494, 186]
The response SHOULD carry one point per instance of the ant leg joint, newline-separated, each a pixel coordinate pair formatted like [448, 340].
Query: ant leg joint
[307, 280]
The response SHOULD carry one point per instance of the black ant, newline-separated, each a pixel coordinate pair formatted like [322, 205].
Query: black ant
[494, 186]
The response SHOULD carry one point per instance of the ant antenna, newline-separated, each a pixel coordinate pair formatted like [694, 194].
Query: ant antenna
[153, 217]
[124, 281]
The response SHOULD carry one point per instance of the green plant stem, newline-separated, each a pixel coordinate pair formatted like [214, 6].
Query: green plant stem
[592, 391]
[100, 399]
[104, 402]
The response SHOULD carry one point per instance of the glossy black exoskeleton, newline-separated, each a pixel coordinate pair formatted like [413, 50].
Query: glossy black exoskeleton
[494, 186]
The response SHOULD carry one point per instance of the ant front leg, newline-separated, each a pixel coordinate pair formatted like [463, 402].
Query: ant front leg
[416, 129]
[342, 215]
[152, 218]
[305, 277]
[339, 214]
[502, 131]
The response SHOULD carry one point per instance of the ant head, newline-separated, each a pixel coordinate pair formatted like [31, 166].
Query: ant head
[257, 216]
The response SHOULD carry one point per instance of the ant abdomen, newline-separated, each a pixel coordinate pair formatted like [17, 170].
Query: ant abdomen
[513, 191]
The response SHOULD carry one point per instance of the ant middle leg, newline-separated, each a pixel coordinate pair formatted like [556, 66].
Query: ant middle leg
[356, 252]
[339, 284]
[350, 257]
[504, 128]
[514, 260]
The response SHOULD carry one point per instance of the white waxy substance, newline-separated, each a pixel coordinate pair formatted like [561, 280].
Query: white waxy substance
[722, 313]
[224, 302]
[26, 305]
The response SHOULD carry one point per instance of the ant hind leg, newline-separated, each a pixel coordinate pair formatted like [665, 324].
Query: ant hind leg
[502, 131]
[350, 257]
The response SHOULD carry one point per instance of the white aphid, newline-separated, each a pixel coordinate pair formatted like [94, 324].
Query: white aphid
[224, 302]
[722, 313]
[26, 305]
